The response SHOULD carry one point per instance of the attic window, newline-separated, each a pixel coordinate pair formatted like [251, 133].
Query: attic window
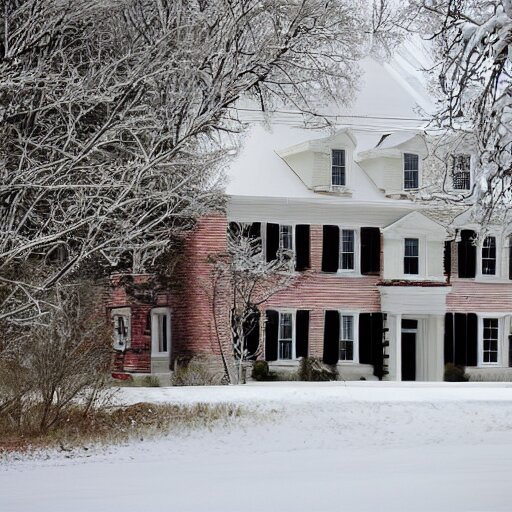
[411, 171]
[338, 172]
[461, 172]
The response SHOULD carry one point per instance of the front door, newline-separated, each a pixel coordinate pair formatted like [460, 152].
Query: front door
[409, 330]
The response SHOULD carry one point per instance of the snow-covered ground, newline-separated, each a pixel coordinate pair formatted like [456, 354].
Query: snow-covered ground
[308, 447]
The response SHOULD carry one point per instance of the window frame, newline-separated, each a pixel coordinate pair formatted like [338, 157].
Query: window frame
[418, 171]
[500, 317]
[292, 313]
[354, 252]
[344, 166]
[482, 258]
[418, 256]
[123, 312]
[453, 157]
[291, 235]
[155, 345]
[355, 335]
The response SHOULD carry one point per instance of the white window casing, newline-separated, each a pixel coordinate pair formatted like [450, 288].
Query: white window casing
[286, 345]
[121, 319]
[349, 337]
[160, 331]
[493, 330]
[411, 174]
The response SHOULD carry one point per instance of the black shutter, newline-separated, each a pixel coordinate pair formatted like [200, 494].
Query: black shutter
[460, 341]
[272, 241]
[234, 230]
[331, 249]
[449, 349]
[302, 244]
[271, 333]
[377, 347]
[466, 254]
[448, 258]
[370, 251]
[365, 338]
[252, 334]
[302, 333]
[472, 340]
[331, 337]
[254, 230]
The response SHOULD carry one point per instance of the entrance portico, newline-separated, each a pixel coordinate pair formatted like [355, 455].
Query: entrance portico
[415, 319]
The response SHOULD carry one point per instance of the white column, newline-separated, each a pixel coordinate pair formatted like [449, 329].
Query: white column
[438, 373]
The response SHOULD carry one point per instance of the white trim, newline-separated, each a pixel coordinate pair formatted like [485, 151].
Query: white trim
[356, 271]
[124, 312]
[504, 327]
[293, 312]
[154, 331]
[420, 181]
[355, 327]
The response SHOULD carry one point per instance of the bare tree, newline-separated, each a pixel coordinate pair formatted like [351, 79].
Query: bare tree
[241, 282]
[473, 42]
[115, 118]
[47, 369]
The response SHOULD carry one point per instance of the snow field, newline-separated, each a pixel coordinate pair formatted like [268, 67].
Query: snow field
[311, 447]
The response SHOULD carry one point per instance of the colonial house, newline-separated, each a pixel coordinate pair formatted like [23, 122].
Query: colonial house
[386, 286]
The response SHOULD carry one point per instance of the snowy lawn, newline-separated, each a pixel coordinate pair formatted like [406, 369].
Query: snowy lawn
[305, 447]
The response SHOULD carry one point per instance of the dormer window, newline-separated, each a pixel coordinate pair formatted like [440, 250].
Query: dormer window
[461, 172]
[338, 168]
[411, 171]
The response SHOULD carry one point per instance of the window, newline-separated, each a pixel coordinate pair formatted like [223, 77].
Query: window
[285, 340]
[490, 341]
[461, 172]
[347, 249]
[489, 256]
[346, 338]
[411, 171]
[411, 256]
[285, 237]
[121, 322]
[338, 167]
[160, 330]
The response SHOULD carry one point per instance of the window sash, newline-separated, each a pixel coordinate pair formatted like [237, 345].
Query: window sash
[411, 256]
[285, 338]
[121, 329]
[285, 237]
[162, 335]
[489, 256]
[490, 337]
[346, 346]
[347, 246]
[461, 172]
[338, 168]
[411, 171]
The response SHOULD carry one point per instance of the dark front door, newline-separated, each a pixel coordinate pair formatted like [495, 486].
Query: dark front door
[408, 355]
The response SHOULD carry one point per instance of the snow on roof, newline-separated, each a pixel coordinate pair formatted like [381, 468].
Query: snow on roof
[388, 102]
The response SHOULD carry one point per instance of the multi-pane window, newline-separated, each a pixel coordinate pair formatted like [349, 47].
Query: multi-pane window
[338, 170]
[346, 338]
[121, 321]
[411, 171]
[285, 237]
[461, 172]
[490, 340]
[285, 340]
[347, 249]
[411, 256]
[489, 256]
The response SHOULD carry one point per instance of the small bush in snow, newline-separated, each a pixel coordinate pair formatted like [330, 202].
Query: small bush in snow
[194, 373]
[455, 373]
[314, 370]
[261, 372]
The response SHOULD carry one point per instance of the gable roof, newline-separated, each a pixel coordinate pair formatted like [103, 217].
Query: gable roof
[417, 221]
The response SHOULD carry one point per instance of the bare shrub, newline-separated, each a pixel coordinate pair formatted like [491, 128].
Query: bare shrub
[195, 373]
[47, 368]
[314, 370]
